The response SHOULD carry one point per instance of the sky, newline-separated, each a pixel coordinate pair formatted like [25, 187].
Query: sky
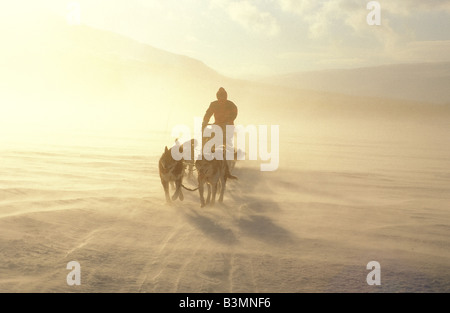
[252, 38]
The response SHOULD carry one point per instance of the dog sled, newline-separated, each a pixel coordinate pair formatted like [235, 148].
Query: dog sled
[205, 170]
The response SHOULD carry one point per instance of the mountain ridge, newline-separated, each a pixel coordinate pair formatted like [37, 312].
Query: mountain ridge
[422, 82]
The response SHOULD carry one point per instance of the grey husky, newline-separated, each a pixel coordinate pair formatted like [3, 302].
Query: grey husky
[215, 174]
[171, 170]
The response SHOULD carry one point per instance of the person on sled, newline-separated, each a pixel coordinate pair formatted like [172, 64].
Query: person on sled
[225, 112]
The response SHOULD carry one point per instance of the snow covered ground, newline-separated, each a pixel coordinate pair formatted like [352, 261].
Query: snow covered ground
[334, 205]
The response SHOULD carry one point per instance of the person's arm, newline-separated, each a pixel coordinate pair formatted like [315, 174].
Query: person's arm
[234, 113]
[208, 115]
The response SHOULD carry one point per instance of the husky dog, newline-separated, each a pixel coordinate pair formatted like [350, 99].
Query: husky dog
[171, 170]
[212, 173]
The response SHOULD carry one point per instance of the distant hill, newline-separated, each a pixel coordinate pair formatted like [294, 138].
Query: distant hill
[425, 82]
[57, 77]
[53, 73]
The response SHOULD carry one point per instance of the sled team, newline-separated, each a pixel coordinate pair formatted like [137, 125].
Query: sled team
[214, 173]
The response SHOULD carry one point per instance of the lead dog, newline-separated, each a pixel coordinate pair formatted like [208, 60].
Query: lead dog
[171, 170]
[212, 173]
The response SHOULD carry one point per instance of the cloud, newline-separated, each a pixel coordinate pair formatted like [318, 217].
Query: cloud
[298, 6]
[338, 30]
[342, 24]
[409, 7]
[322, 15]
[404, 7]
[251, 17]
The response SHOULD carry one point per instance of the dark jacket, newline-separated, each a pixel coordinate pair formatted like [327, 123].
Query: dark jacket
[224, 112]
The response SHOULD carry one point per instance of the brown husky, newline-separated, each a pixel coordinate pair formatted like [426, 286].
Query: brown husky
[212, 173]
[171, 170]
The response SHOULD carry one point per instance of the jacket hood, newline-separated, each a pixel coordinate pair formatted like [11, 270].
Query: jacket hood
[222, 94]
